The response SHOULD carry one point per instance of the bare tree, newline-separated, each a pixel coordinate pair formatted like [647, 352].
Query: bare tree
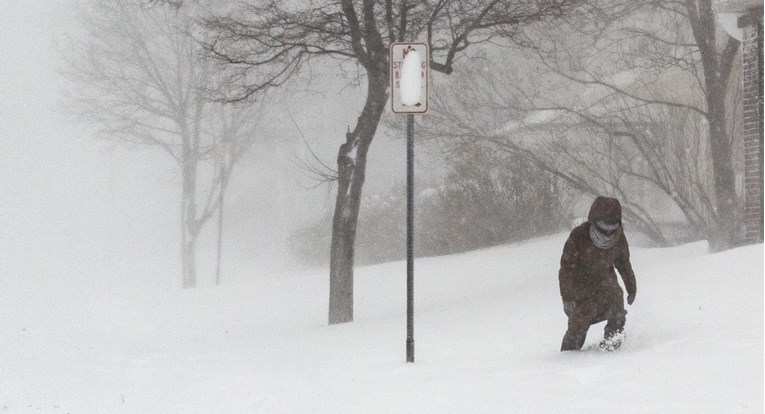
[472, 114]
[140, 76]
[626, 95]
[632, 158]
[277, 39]
[668, 42]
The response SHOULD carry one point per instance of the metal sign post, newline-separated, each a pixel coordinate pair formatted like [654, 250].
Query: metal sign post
[409, 238]
[409, 95]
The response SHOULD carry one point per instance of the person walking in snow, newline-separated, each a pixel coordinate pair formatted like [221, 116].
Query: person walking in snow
[588, 285]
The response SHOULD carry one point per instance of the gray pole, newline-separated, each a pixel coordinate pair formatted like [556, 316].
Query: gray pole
[410, 238]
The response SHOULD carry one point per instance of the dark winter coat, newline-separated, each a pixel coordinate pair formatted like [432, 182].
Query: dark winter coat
[586, 271]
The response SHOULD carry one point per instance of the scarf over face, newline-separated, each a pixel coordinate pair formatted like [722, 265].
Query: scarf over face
[603, 241]
[606, 214]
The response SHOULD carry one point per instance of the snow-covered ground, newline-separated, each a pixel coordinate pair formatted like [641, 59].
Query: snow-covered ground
[488, 328]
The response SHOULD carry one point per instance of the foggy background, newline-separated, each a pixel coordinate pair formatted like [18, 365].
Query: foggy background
[78, 210]
[73, 204]
[94, 317]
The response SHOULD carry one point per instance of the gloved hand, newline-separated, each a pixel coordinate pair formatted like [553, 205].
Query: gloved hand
[568, 307]
[630, 298]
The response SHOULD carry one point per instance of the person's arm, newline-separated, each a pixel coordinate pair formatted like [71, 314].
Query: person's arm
[569, 267]
[624, 267]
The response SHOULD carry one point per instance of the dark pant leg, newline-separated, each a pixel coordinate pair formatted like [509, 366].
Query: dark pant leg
[617, 317]
[615, 314]
[578, 324]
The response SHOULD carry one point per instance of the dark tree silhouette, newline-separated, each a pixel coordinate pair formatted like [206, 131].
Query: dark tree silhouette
[265, 44]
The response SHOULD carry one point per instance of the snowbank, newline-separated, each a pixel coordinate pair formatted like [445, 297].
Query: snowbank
[488, 326]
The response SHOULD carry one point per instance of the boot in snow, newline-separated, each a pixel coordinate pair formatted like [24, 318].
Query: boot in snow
[612, 342]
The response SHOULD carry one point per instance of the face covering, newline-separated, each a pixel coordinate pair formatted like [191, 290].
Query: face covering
[601, 240]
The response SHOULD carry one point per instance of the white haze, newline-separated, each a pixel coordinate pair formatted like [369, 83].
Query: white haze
[79, 211]
[92, 317]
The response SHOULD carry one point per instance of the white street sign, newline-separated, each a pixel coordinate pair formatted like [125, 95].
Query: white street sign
[409, 72]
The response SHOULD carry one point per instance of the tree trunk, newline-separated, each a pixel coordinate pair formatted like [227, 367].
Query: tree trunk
[717, 67]
[189, 260]
[351, 168]
[724, 178]
[223, 185]
[189, 224]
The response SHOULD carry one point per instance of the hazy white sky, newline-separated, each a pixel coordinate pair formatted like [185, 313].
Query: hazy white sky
[74, 205]
[69, 205]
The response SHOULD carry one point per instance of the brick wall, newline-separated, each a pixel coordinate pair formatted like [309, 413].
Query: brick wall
[753, 125]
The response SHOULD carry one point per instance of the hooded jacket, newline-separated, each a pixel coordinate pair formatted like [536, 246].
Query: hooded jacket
[587, 271]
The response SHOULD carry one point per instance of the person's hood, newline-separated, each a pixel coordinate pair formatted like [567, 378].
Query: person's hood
[605, 208]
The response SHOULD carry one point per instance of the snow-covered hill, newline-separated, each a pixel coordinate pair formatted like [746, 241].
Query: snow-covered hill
[488, 328]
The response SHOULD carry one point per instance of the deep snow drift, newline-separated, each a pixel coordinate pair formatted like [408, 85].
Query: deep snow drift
[488, 326]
